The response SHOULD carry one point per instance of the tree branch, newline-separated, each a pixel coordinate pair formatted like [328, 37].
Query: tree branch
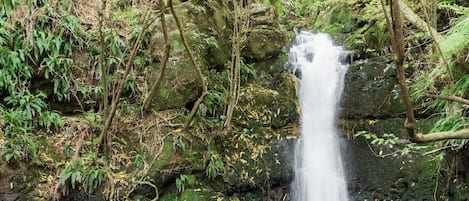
[194, 65]
[397, 42]
[449, 98]
[445, 135]
[120, 86]
[155, 88]
[418, 22]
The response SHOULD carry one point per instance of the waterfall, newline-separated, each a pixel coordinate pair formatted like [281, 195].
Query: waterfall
[319, 174]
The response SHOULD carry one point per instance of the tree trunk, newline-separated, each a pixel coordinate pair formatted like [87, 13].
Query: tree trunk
[418, 22]
[397, 42]
[398, 50]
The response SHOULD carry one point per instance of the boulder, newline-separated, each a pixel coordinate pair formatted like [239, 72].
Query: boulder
[272, 103]
[264, 42]
[371, 90]
[399, 177]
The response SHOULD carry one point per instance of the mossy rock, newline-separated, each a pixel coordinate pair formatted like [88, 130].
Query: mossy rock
[272, 66]
[371, 90]
[381, 126]
[199, 194]
[264, 42]
[179, 88]
[402, 177]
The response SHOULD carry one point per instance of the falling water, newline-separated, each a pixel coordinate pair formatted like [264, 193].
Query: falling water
[319, 175]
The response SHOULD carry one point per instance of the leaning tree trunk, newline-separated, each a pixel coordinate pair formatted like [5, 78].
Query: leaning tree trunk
[397, 44]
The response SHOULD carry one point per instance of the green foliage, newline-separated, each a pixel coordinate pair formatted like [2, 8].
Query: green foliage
[137, 158]
[8, 6]
[277, 4]
[247, 71]
[386, 139]
[181, 182]
[26, 113]
[452, 122]
[18, 139]
[178, 142]
[82, 173]
[457, 39]
[215, 166]
[389, 145]
[450, 5]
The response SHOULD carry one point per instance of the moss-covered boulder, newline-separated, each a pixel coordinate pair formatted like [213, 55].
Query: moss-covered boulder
[264, 42]
[199, 194]
[385, 176]
[180, 86]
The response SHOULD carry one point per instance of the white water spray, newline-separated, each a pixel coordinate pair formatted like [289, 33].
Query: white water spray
[319, 175]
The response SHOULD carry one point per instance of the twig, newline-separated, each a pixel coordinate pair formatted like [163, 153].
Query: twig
[449, 98]
[120, 86]
[452, 146]
[155, 88]
[436, 42]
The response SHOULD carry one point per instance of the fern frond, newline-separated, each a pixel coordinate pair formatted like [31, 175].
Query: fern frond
[457, 38]
[461, 10]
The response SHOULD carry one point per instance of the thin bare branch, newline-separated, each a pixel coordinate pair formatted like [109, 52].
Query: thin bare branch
[155, 88]
[102, 63]
[120, 85]
[449, 98]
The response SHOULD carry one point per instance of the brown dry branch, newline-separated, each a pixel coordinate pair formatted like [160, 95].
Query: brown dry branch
[449, 98]
[397, 43]
[240, 24]
[194, 65]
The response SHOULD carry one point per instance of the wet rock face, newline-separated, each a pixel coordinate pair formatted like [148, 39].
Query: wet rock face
[371, 91]
[400, 177]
